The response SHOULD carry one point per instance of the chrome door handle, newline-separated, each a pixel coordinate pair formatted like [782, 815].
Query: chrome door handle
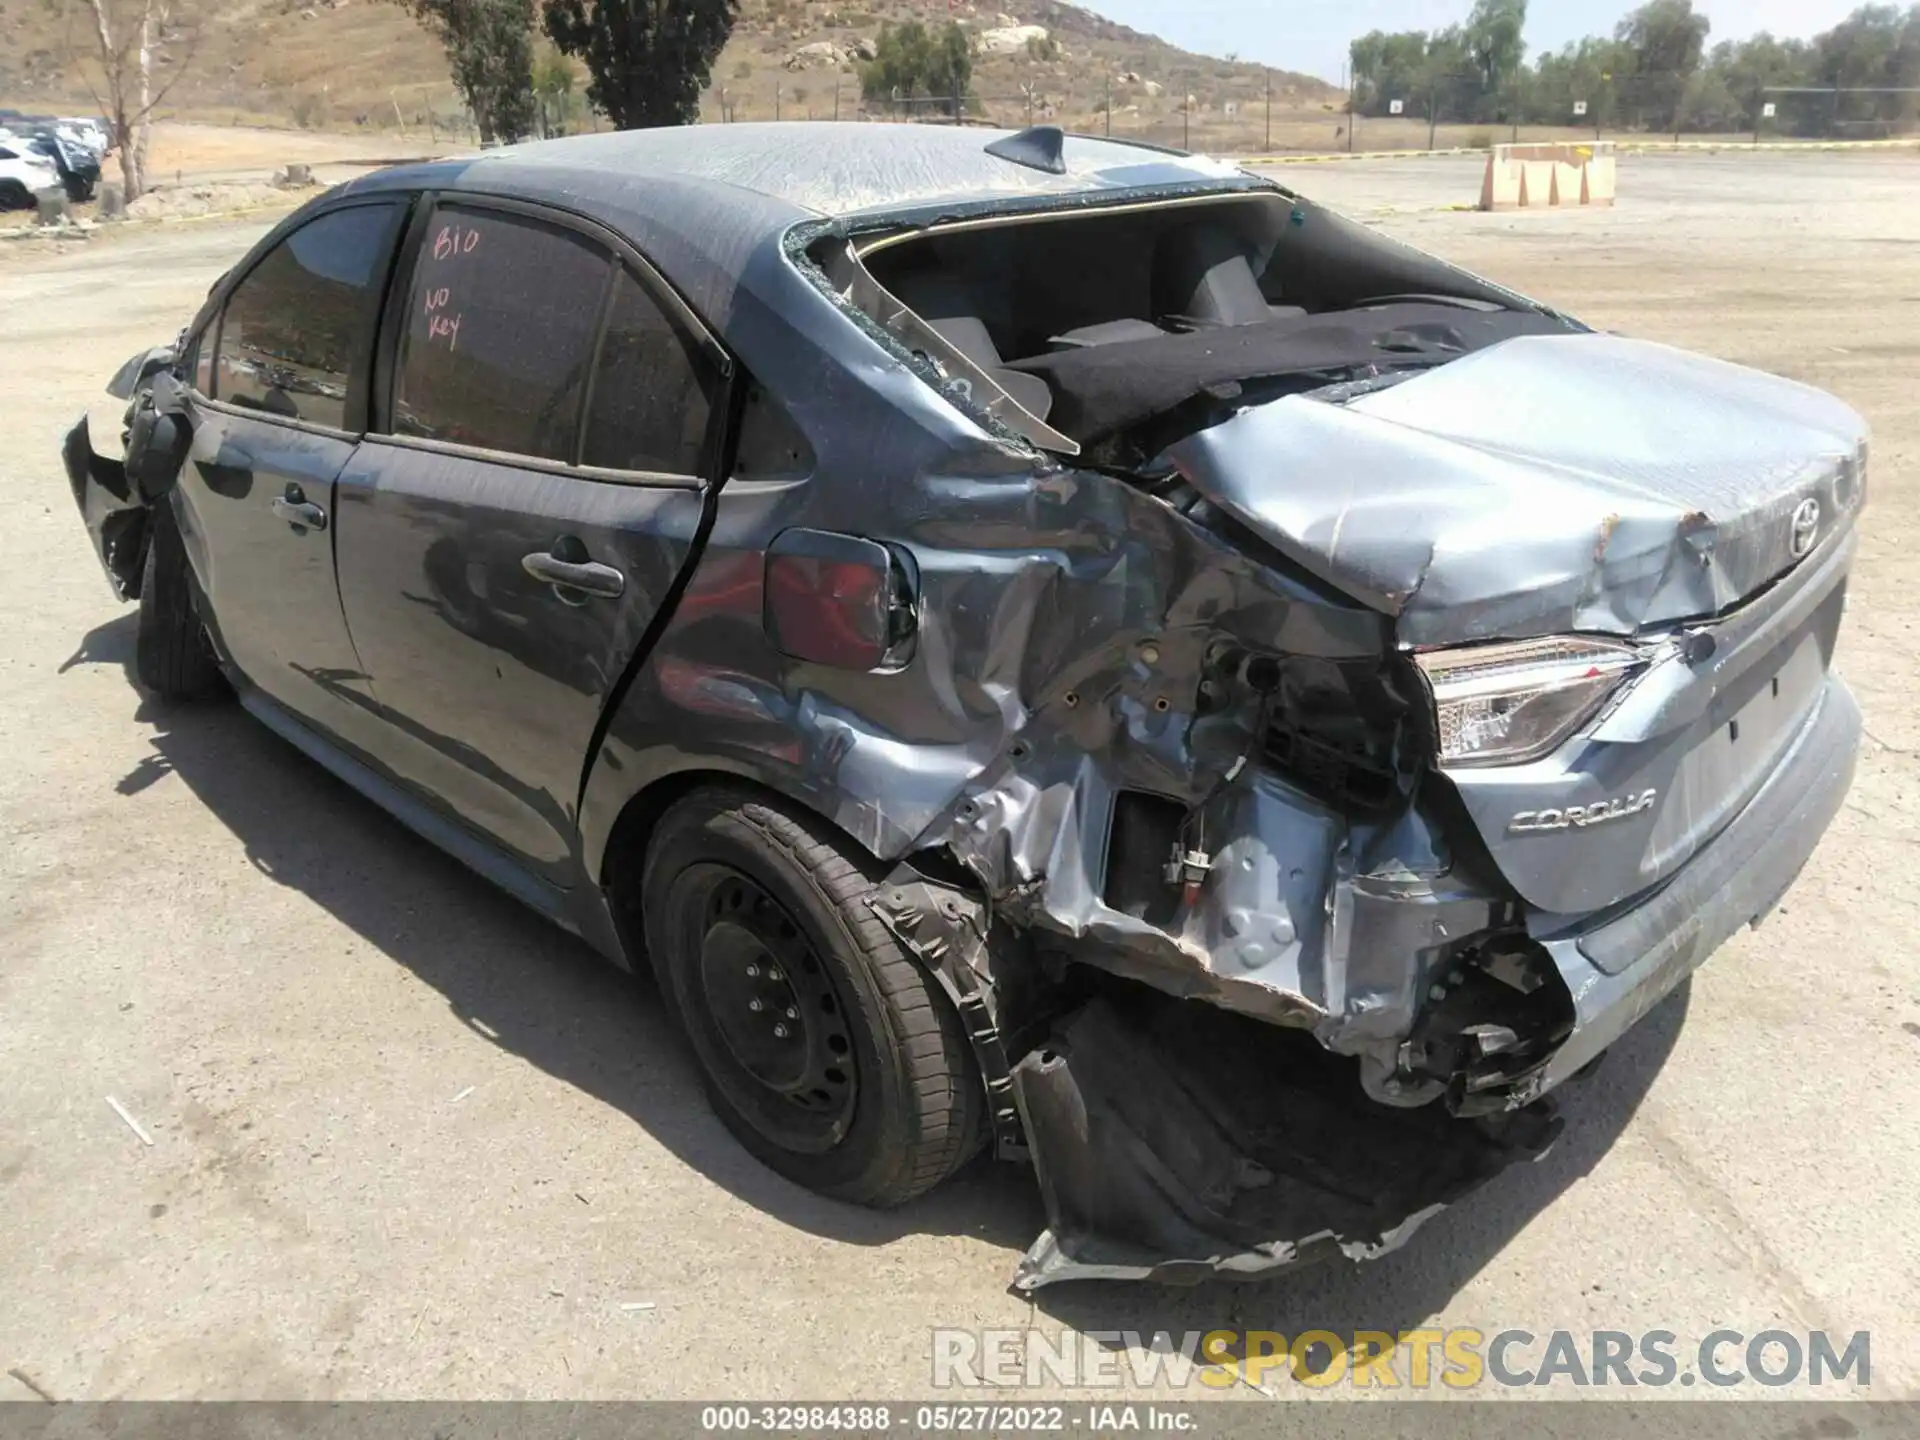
[587, 576]
[301, 514]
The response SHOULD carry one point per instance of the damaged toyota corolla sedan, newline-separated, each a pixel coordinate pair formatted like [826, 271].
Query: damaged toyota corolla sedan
[1034, 641]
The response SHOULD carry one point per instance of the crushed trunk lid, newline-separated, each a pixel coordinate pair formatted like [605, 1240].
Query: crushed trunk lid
[1545, 485]
[1585, 483]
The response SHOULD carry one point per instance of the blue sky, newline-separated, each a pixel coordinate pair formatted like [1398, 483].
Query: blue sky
[1312, 35]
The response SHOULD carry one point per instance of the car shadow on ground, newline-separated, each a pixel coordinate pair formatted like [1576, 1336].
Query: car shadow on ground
[546, 997]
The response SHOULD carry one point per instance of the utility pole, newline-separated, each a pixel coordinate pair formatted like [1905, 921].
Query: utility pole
[1269, 112]
[1186, 123]
[836, 97]
[1346, 83]
[1433, 111]
[1109, 107]
[1350, 79]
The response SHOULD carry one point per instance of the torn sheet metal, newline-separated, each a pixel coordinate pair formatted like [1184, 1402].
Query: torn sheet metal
[1180, 1142]
[1545, 485]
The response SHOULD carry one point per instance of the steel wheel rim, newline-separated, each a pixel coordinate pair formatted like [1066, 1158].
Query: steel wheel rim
[775, 1014]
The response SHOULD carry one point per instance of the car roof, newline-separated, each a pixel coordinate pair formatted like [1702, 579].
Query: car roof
[706, 203]
[842, 168]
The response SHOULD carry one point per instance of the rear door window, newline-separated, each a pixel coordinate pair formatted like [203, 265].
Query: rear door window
[297, 331]
[653, 389]
[499, 334]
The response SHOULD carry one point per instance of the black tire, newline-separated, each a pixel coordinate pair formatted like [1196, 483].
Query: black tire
[908, 1107]
[15, 196]
[172, 655]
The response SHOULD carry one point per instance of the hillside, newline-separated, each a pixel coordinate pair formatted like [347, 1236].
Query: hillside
[348, 64]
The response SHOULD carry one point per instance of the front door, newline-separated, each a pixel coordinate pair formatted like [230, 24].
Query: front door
[275, 419]
[504, 546]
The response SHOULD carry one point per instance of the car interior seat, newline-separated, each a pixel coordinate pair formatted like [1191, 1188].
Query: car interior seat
[953, 313]
[1203, 278]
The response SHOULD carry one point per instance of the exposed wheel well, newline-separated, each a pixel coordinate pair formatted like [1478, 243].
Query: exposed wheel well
[625, 855]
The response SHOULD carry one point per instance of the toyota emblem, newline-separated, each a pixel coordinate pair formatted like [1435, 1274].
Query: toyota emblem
[1806, 526]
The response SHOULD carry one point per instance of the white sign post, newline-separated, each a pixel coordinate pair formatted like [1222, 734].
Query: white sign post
[1395, 107]
[1579, 107]
[1767, 110]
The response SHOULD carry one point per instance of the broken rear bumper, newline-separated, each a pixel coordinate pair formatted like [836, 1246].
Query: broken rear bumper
[1175, 1141]
[1621, 968]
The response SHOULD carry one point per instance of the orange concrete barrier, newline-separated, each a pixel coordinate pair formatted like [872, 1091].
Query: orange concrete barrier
[1519, 176]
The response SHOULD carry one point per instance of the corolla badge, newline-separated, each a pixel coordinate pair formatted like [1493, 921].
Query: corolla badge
[1534, 822]
[1806, 527]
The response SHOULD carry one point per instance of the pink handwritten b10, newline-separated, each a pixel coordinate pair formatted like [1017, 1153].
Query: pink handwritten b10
[454, 240]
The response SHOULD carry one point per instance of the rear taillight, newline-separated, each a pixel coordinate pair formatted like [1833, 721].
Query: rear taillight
[1509, 703]
[838, 600]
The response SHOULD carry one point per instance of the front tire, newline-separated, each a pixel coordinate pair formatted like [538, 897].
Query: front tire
[827, 1050]
[173, 657]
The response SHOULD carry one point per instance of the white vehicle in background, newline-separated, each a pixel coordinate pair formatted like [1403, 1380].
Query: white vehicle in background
[92, 133]
[23, 173]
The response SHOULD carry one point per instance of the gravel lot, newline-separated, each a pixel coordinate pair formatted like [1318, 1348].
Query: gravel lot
[408, 1141]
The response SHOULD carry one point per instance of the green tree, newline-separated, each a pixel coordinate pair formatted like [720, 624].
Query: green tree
[1874, 48]
[1494, 43]
[1656, 71]
[1665, 40]
[1459, 73]
[553, 82]
[648, 59]
[1389, 67]
[911, 60]
[1498, 52]
[489, 45]
[1738, 74]
[1591, 71]
[1449, 85]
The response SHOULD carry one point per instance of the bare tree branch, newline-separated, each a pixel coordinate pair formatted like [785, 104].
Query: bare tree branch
[125, 42]
[179, 69]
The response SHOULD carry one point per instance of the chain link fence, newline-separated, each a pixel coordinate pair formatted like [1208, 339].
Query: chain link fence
[1456, 109]
[1437, 112]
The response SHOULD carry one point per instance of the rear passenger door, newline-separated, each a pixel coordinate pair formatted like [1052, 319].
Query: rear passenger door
[548, 414]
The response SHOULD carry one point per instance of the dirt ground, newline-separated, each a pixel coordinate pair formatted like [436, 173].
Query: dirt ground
[195, 169]
[190, 151]
[408, 1141]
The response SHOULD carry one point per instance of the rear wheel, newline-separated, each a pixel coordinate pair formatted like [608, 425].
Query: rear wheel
[14, 195]
[827, 1050]
[172, 655]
